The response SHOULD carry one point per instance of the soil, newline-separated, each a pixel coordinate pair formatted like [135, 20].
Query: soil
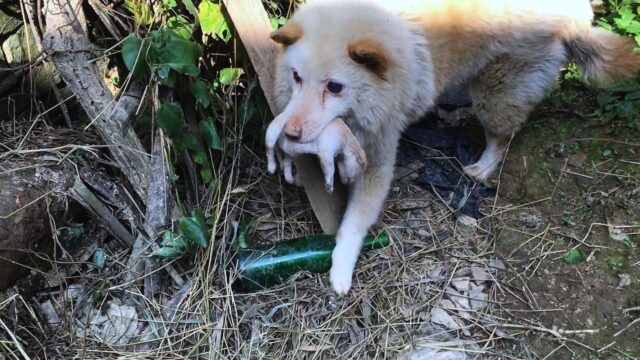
[568, 180]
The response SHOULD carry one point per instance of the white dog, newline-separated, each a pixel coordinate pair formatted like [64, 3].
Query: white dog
[380, 69]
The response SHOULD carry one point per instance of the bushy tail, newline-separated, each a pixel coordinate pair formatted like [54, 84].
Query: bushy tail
[605, 57]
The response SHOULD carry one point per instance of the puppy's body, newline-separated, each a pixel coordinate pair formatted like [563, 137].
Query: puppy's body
[336, 140]
[392, 58]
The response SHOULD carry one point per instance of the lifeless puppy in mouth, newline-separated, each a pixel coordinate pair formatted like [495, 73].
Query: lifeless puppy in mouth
[379, 65]
[336, 140]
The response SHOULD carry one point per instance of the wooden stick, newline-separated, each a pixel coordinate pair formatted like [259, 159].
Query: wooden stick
[252, 23]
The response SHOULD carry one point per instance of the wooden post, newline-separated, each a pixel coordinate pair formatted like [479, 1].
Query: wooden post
[252, 23]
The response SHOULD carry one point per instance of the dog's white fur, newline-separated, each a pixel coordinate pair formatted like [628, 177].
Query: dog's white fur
[336, 140]
[393, 64]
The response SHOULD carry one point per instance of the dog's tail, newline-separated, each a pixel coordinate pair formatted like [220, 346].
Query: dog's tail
[605, 57]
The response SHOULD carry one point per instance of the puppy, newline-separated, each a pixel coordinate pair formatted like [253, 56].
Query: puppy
[335, 140]
[380, 64]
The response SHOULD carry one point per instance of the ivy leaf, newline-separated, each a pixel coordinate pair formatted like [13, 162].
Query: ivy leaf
[169, 118]
[200, 91]
[212, 20]
[574, 256]
[194, 232]
[210, 134]
[134, 52]
[228, 76]
[179, 54]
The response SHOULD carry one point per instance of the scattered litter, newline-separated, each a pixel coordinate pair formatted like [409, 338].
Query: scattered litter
[625, 280]
[461, 284]
[466, 225]
[118, 326]
[478, 300]
[497, 264]
[616, 233]
[478, 274]
[49, 313]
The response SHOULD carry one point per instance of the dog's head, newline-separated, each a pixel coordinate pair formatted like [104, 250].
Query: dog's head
[334, 54]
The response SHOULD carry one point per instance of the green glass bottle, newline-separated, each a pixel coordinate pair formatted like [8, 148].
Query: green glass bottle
[264, 266]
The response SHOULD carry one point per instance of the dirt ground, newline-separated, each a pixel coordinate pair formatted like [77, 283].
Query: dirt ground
[572, 181]
[499, 287]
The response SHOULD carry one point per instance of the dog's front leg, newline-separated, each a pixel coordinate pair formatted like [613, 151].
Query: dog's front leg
[365, 204]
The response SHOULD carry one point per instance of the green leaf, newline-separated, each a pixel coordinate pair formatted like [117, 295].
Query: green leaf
[574, 256]
[212, 20]
[188, 4]
[134, 53]
[200, 91]
[141, 10]
[200, 158]
[206, 175]
[625, 110]
[181, 26]
[229, 75]
[169, 3]
[179, 54]
[210, 134]
[168, 252]
[604, 98]
[198, 216]
[169, 118]
[194, 232]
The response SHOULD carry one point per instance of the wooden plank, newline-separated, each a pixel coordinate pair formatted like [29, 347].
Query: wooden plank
[252, 23]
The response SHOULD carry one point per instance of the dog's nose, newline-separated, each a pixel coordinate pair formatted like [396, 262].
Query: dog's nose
[292, 132]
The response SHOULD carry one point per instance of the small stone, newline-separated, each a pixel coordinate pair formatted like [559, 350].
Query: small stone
[625, 280]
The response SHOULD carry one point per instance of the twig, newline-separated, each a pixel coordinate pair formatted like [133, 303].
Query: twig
[627, 327]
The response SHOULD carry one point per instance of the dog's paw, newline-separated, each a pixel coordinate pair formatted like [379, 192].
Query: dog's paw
[340, 279]
[479, 172]
[343, 261]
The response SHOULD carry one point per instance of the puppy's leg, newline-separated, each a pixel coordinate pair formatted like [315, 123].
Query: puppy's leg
[505, 92]
[365, 204]
[271, 138]
[328, 168]
[287, 165]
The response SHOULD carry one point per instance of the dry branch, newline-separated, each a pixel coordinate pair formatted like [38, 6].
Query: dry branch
[67, 42]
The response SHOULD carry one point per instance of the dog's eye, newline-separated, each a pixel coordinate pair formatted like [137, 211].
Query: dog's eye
[296, 77]
[334, 87]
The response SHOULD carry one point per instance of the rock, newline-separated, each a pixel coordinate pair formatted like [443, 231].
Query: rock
[461, 284]
[466, 225]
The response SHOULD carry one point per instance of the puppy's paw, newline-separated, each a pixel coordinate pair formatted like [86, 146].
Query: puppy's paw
[271, 160]
[329, 187]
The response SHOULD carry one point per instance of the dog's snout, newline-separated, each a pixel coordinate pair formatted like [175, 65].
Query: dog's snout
[292, 132]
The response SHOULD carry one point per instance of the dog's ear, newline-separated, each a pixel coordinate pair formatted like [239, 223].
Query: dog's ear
[370, 54]
[288, 34]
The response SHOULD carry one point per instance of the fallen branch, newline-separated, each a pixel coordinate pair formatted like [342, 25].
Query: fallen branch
[66, 40]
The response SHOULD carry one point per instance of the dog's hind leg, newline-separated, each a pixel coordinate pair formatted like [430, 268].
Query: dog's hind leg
[504, 93]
